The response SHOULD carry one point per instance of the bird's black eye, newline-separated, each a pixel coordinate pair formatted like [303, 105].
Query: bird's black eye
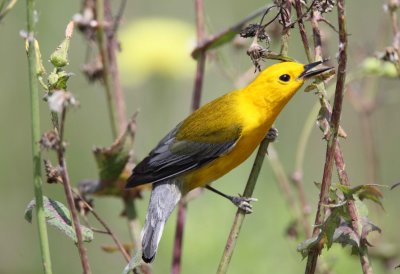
[284, 77]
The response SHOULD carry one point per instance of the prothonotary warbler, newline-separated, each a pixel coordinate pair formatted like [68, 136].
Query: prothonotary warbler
[212, 141]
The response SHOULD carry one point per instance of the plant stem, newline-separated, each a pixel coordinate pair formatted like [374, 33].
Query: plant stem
[333, 151]
[240, 215]
[106, 69]
[105, 226]
[196, 98]
[112, 48]
[344, 180]
[68, 194]
[302, 30]
[207, 43]
[7, 9]
[35, 120]
[115, 98]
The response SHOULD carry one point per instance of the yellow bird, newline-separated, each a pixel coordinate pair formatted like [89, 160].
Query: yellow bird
[212, 141]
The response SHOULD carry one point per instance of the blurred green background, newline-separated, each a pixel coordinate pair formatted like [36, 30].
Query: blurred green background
[161, 88]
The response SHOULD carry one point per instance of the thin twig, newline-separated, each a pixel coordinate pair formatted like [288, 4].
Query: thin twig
[106, 69]
[7, 9]
[283, 181]
[196, 98]
[206, 43]
[117, 20]
[344, 180]
[240, 214]
[106, 227]
[333, 152]
[112, 49]
[117, 105]
[70, 200]
[302, 29]
[36, 156]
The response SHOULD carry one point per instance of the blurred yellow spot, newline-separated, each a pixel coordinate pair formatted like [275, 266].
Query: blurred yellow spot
[156, 46]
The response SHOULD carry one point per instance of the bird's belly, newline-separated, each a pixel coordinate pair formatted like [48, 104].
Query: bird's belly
[222, 165]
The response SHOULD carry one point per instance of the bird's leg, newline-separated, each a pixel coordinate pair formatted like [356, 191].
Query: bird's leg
[239, 201]
[272, 134]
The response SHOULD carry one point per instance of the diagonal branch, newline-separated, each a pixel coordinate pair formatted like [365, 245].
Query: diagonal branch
[68, 194]
[240, 214]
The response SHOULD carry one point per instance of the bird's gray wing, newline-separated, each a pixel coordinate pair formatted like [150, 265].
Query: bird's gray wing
[173, 157]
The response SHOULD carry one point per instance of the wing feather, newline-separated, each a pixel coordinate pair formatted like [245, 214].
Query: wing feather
[173, 157]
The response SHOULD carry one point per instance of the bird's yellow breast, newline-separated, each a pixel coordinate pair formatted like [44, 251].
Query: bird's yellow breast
[254, 123]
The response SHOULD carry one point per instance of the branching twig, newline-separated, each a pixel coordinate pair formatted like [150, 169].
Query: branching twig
[206, 43]
[106, 227]
[333, 151]
[35, 120]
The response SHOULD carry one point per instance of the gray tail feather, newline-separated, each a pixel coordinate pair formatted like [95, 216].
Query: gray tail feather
[164, 197]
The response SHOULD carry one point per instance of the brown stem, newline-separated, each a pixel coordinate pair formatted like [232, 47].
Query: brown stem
[106, 227]
[344, 180]
[196, 98]
[370, 148]
[112, 49]
[70, 200]
[305, 206]
[334, 152]
[302, 30]
[206, 43]
[316, 34]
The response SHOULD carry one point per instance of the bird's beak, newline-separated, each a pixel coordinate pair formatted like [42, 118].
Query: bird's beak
[308, 72]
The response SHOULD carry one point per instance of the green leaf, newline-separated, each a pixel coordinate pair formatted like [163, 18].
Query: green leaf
[330, 225]
[111, 161]
[134, 262]
[58, 215]
[367, 191]
[371, 192]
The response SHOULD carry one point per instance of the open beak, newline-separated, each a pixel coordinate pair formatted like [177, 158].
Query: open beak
[309, 72]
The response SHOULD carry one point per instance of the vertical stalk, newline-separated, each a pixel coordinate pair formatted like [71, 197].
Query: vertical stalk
[35, 120]
[106, 67]
[196, 98]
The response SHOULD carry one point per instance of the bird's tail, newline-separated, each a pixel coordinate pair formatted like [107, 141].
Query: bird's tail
[164, 197]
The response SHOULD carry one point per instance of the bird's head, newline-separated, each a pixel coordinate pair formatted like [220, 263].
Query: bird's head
[280, 82]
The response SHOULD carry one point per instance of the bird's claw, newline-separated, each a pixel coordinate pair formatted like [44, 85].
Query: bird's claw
[272, 134]
[244, 203]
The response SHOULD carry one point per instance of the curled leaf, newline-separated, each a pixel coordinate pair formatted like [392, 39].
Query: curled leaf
[58, 215]
[114, 167]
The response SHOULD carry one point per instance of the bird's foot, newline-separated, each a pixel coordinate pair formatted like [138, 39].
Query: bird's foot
[244, 203]
[272, 134]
